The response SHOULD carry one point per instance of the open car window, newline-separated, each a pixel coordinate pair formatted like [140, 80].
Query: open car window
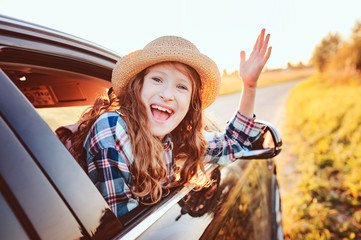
[56, 117]
[59, 96]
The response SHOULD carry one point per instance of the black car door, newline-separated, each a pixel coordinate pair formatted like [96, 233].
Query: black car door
[44, 192]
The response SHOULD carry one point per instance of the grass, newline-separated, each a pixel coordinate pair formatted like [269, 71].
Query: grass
[323, 129]
[232, 82]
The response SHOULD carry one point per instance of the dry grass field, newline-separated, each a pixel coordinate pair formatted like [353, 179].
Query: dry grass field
[232, 82]
[323, 129]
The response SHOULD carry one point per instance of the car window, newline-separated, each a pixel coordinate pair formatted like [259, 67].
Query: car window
[61, 116]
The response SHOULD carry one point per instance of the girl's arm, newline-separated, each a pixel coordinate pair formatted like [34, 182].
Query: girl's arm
[225, 148]
[250, 70]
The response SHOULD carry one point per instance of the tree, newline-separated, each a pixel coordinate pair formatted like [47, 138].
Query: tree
[289, 65]
[356, 31]
[356, 45]
[325, 50]
[224, 74]
[349, 55]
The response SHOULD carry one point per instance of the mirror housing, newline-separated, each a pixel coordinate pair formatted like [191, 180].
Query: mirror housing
[268, 145]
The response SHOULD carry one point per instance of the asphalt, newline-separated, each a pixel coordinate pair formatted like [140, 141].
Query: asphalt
[270, 106]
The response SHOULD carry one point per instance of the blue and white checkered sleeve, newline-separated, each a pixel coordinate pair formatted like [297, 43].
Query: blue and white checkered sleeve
[227, 147]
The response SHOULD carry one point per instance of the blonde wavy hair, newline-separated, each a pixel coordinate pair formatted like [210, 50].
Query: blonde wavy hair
[149, 171]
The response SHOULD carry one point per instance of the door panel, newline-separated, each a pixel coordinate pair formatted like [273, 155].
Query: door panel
[10, 227]
[235, 207]
[55, 162]
[33, 192]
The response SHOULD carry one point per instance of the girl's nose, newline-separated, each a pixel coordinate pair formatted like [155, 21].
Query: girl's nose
[167, 93]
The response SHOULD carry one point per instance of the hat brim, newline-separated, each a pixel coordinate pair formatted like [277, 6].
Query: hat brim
[130, 65]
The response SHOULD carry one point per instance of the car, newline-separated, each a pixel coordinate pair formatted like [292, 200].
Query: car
[47, 79]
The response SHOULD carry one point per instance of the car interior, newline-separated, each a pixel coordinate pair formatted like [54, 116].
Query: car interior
[59, 96]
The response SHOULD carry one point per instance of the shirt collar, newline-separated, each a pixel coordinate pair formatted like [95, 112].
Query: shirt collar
[167, 142]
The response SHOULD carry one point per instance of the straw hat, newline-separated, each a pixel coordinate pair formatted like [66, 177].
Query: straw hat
[169, 48]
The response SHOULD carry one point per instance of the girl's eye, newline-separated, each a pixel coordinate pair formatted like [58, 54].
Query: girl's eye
[156, 79]
[183, 87]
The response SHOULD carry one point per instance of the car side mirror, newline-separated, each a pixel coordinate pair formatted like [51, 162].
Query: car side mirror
[268, 145]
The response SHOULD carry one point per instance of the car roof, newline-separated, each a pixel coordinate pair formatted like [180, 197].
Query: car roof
[18, 31]
[46, 62]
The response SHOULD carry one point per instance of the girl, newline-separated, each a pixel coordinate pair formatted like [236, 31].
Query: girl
[152, 121]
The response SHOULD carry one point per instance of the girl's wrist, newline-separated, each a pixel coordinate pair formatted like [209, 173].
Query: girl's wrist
[249, 89]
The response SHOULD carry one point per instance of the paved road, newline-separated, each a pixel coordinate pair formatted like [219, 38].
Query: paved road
[270, 104]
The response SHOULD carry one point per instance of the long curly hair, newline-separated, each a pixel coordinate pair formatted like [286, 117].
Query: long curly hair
[149, 171]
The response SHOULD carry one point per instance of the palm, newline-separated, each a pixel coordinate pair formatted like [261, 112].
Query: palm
[250, 70]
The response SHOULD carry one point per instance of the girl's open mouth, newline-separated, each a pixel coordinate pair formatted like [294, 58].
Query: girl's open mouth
[161, 113]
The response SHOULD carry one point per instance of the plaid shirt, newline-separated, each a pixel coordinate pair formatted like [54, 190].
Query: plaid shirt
[109, 155]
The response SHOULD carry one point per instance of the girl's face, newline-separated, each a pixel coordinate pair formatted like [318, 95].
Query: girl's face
[166, 94]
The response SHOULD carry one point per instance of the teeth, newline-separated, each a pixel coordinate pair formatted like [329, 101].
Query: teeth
[161, 109]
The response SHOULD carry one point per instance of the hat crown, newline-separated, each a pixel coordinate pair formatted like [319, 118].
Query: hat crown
[172, 42]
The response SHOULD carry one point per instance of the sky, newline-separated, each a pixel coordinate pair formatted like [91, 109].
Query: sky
[219, 28]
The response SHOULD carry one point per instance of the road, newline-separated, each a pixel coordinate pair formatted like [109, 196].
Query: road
[269, 106]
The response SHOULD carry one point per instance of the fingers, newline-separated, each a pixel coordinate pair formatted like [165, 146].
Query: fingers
[261, 52]
[268, 54]
[259, 43]
[265, 44]
[261, 39]
[256, 44]
[243, 56]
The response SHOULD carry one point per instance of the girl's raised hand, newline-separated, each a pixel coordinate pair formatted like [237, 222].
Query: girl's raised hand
[250, 70]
